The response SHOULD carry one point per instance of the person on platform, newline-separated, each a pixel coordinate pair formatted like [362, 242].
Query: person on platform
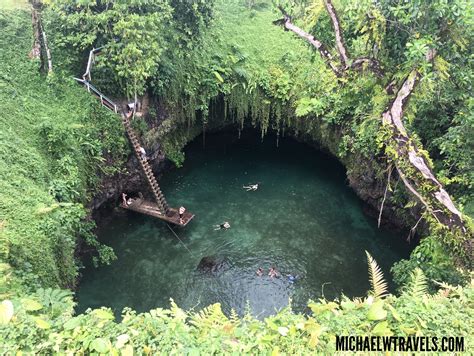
[181, 212]
[126, 201]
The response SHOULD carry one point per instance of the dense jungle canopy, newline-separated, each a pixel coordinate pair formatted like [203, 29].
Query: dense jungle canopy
[384, 86]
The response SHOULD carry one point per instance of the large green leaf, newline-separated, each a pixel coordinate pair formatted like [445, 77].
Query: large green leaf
[72, 323]
[31, 304]
[41, 323]
[103, 314]
[219, 77]
[100, 345]
[382, 329]
[376, 311]
[6, 312]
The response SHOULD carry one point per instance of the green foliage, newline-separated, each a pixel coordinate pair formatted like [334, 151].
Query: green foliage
[418, 285]
[133, 35]
[433, 259]
[56, 143]
[30, 325]
[54, 138]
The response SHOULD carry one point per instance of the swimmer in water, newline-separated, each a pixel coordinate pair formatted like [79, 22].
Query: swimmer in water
[224, 226]
[273, 272]
[292, 278]
[251, 187]
[259, 271]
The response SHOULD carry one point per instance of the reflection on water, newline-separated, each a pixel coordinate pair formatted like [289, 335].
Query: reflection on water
[303, 220]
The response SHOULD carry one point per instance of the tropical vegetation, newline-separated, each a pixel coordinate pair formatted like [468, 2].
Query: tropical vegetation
[209, 64]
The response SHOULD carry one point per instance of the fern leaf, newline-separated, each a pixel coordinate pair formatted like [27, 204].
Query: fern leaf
[377, 280]
[418, 287]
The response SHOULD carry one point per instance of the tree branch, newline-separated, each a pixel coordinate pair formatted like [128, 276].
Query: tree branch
[358, 64]
[440, 205]
[289, 26]
[341, 48]
[371, 64]
[384, 195]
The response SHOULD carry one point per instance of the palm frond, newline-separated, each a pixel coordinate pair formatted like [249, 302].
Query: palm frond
[377, 281]
[418, 285]
[209, 317]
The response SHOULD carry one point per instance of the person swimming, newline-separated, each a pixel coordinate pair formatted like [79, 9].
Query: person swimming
[224, 226]
[259, 271]
[251, 187]
[292, 278]
[273, 272]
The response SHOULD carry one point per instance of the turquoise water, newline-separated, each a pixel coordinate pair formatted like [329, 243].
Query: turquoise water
[303, 220]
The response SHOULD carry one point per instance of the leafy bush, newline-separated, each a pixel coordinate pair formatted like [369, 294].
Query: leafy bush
[42, 323]
[54, 138]
[432, 258]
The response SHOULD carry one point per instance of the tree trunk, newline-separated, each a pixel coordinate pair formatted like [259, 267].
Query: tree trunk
[437, 201]
[40, 41]
[36, 49]
[417, 176]
[46, 49]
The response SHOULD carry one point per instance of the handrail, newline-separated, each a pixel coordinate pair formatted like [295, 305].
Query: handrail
[103, 98]
[87, 75]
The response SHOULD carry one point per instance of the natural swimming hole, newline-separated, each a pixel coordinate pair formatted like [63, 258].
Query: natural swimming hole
[303, 220]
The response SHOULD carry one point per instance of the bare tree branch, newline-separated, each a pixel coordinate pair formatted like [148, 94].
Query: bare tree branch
[384, 195]
[444, 210]
[359, 64]
[371, 64]
[46, 49]
[341, 48]
[288, 25]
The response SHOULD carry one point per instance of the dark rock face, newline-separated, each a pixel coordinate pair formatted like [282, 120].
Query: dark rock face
[370, 188]
[212, 264]
[131, 180]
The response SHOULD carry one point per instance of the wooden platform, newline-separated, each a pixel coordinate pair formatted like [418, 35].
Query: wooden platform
[151, 209]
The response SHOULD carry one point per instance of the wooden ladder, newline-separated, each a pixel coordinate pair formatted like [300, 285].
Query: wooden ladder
[109, 104]
[155, 188]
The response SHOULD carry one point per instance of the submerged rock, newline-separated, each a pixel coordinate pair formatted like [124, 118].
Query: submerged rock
[212, 264]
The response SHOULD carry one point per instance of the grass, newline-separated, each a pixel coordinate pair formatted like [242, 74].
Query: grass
[50, 148]
[13, 4]
[267, 48]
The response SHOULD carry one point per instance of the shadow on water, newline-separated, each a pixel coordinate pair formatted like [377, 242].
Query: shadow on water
[303, 220]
